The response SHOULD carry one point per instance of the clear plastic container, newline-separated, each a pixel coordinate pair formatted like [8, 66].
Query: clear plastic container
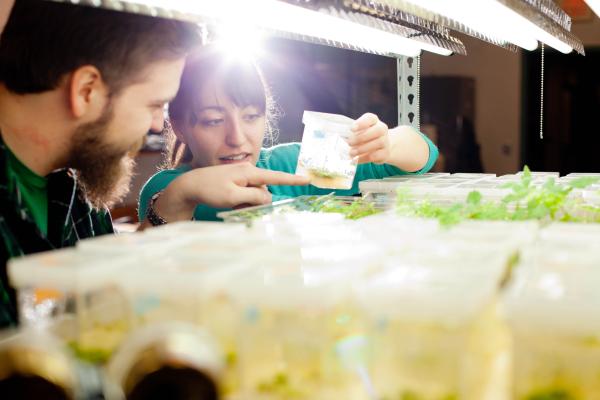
[553, 313]
[168, 360]
[325, 153]
[434, 326]
[35, 364]
[76, 294]
[295, 313]
[93, 294]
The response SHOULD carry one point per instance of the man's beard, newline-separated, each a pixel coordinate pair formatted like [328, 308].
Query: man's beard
[104, 170]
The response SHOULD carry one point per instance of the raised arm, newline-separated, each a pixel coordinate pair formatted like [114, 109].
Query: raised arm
[402, 147]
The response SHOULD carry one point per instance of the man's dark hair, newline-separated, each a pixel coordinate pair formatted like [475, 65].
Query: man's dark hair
[43, 41]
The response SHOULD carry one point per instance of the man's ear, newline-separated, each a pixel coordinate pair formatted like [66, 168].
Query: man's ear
[88, 94]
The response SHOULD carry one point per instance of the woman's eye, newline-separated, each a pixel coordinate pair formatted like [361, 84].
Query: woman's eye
[212, 122]
[252, 117]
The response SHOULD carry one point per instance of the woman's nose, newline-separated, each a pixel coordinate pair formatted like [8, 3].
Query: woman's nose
[235, 135]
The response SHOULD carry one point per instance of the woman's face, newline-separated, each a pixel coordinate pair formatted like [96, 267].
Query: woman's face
[224, 133]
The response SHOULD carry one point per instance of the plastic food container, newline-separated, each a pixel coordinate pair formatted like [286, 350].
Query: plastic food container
[160, 360]
[434, 327]
[553, 313]
[297, 324]
[77, 295]
[325, 153]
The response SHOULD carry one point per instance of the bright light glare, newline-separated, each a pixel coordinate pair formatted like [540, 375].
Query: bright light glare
[279, 16]
[594, 5]
[286, 17]
[239, 41]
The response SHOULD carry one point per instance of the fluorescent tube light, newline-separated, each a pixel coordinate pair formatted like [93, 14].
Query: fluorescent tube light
[284, 17]
[594, 5]
[496, 20]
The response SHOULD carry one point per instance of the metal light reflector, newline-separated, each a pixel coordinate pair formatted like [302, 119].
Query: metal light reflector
[279, 18]
[413, 9]
[431, 36]
[521, 22]
[594, 5]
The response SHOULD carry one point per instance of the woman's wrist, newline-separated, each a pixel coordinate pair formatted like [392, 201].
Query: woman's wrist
[408, 150]
[172, 205]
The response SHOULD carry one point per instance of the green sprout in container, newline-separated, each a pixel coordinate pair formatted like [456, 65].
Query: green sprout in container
[279, 385]
[551, 394]
[355, 210]
[324, 173]
[91, 355]
[548, 202]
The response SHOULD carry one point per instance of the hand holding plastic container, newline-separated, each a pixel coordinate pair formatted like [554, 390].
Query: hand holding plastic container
[325, 153]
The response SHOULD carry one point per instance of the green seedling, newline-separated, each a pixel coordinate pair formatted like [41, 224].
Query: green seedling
[548, 202]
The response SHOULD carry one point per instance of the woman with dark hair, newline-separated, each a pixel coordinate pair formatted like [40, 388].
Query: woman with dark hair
[223, 114]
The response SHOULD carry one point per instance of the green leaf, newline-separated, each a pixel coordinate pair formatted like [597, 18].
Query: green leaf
[474, 197]
[583, 182]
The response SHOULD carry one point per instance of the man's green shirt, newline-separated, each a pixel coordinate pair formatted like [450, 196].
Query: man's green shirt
[31, 187]
[39, 214]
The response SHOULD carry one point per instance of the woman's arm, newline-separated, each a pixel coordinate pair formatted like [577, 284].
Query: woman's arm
[408, 150]
[403, 147]
[218, 186]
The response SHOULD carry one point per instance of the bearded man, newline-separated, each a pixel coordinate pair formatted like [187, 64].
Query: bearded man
[79, 89]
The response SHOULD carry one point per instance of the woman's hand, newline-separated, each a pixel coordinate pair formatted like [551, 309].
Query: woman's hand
[222, 186]
[370, 140]
[402, 147]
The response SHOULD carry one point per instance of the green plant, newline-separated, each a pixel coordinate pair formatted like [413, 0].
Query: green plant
[355, 210]
[93, 356]
[324, 173]
[551, 394]
[548, 202]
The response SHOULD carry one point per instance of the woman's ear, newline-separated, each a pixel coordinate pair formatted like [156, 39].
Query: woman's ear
[88, 94]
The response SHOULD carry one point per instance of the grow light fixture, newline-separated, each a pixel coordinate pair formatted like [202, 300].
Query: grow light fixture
[594, 5]
[496, 19]
[486, 16]
[519, 22]
[323, 22]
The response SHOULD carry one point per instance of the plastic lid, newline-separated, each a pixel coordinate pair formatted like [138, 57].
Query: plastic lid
[329, 123]
[67, 270]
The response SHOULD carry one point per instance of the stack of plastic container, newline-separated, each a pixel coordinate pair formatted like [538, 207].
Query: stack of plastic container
[553, 313]
[433, 324]
[293, 312]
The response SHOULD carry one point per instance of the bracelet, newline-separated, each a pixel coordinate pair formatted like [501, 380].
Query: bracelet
[151, 214]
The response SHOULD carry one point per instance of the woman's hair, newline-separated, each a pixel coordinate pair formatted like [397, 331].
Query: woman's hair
[242, 82]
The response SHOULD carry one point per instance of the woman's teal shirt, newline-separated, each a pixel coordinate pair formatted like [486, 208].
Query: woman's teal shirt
[284, 158]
